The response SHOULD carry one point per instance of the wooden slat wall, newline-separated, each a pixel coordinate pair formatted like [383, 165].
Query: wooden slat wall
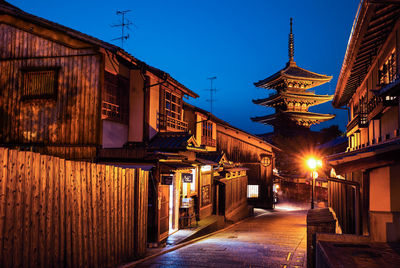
[70, 120]
[235, 193]
[342, 200]
[56, 213]
[238, 150]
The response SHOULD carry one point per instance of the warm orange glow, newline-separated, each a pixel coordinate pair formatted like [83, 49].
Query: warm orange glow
[313, 163]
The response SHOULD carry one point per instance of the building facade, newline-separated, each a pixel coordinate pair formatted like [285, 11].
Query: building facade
[365, 182]
[67, 94]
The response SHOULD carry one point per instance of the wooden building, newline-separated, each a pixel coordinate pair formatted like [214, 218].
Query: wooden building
[70, 95]
[62, 92]
[365, 184]
[245, 150]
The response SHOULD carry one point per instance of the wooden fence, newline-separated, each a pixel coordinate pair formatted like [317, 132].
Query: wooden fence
[234, 195]
[62, 213]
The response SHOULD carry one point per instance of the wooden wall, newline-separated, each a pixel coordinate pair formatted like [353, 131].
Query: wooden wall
[68, 125]
[240, 151]
[235, 195]
[58, 213]
[237, 149]
[342, 199]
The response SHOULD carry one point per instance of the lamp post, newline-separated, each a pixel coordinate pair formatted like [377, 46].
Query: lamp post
[313, 164]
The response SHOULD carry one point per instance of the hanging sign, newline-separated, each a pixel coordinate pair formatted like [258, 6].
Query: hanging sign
[187, 177]
[166, 179]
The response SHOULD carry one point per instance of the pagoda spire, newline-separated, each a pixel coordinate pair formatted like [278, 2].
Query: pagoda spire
[291, 43]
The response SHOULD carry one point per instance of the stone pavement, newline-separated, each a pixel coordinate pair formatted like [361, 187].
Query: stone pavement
[269, 239]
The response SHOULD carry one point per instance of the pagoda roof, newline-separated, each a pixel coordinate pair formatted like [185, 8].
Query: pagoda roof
[292, 71]
[293, 115]
[305, 96]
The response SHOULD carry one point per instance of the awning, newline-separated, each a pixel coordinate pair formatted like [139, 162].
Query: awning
[369, 157]
[177, 166]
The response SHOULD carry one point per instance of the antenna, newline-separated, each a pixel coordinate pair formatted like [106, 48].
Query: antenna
[211, 89]
[124, 23]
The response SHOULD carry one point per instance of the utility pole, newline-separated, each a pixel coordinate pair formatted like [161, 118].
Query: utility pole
[124, 23]
[211, 100]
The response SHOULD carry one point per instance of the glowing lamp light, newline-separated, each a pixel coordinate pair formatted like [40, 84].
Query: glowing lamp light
[312, 163]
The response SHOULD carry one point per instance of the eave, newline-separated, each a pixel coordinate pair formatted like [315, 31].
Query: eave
[294, 116]
[310, 97]
[372, 26]
[366, 158]
[289, 73]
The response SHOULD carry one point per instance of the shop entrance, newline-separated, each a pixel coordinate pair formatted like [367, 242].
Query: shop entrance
[164, 210]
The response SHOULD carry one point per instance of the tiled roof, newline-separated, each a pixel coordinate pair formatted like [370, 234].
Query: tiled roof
[293, 71]
[303, 73]
[211, 156]
[318, 99]
[372, 26]
[170, 141]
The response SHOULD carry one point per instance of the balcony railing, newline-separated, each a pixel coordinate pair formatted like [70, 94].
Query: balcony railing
[113, 112]
[359, 120]
[167, 122]
[208, 141]
[377, 104]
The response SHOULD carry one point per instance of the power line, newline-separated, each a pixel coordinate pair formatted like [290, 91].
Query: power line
[124, 24]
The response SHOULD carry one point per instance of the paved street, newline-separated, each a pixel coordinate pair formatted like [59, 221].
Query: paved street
[270, 239]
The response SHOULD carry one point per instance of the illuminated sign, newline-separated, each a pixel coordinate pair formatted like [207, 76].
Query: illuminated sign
[187, 177]
[205, 168]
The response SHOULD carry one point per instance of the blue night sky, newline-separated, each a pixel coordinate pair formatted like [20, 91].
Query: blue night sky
[239, 42]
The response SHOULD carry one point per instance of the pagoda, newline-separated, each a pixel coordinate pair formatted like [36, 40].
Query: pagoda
[293, 97]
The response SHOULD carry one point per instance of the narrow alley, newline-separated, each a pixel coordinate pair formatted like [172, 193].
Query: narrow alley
[269, 239]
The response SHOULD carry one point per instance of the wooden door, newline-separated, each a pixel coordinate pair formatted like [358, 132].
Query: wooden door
[164, 211]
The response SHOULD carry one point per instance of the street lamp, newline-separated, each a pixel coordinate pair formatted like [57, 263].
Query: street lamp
[313, 164]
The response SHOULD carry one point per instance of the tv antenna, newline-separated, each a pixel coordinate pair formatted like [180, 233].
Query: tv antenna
[211, 89]
[124, 23]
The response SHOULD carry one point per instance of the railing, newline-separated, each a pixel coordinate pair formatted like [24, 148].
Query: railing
[113, 111]
[359, 120]
[208, 141]
[376, 105]
[166, 121]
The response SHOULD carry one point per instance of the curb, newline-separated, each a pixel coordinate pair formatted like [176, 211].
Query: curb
[133, 264]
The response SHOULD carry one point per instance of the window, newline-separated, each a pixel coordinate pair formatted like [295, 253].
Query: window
[207, 129]
[171, 111]
[252, 191]
[115, 102]
[173, 105]
[39, 84]
[387, 72]
[207, 134]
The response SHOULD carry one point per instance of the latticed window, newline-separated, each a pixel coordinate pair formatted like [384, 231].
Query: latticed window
[39, 84]
[170, 115]
[387, 72]
[207, 134]
[115, 102]
[173, 105]
[207, 129]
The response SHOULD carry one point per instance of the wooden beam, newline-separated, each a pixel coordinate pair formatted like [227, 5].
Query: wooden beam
[386, 2]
